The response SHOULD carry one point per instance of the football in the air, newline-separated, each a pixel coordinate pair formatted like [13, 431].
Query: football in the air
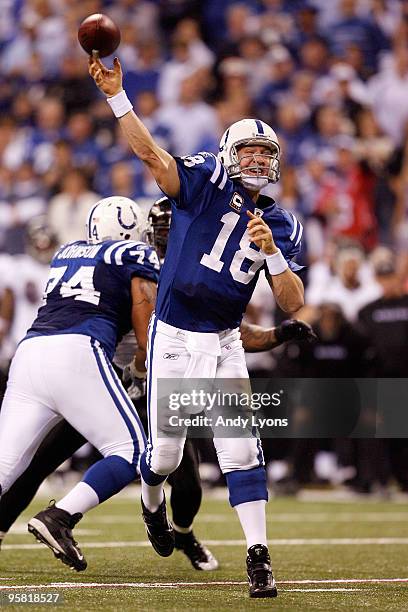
[98, 33]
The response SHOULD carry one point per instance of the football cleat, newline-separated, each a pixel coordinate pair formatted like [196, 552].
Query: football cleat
[201, 558]
[159, 529]
[260, 577]
[52, 527]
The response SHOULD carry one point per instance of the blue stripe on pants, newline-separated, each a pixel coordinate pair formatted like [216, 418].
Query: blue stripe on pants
[117, 403]
[149, 380]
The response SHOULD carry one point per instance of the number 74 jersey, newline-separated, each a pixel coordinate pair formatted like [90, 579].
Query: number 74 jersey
[89, 290]
[211, 266]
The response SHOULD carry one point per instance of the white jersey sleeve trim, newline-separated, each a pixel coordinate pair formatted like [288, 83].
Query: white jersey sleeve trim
[224, 180]
[300, 234]
[295, 224]
[216, 172]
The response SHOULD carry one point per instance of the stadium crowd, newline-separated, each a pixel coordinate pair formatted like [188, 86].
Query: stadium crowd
[330, 77]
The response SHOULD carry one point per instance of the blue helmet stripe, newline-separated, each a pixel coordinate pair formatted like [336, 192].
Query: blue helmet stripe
[225, 140]
[259, 126]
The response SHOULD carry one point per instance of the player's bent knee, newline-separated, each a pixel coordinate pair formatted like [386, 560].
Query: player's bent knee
[166, 458]
[238, 454]
[127, 450]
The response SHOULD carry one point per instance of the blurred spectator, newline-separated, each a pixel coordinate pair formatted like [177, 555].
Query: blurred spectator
[343, 87]
[292, 131]
[189, 54]
[328, 124]
[345, 202]
[314, 56]
[26, 279]
[62, 163]
[73, 86]
[350, 27]
[25, 199]
[235, 102]
[282, 70]
[388, 92]
[385, 320]
[68, 209]
[79, 134]
[144, 74]
[191, 123]
[307, 25]
[350, 288]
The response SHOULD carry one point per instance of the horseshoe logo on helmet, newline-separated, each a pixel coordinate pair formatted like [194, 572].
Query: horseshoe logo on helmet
[127, 227]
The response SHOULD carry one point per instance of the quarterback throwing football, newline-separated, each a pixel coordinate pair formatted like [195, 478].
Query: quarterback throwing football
[223, 232]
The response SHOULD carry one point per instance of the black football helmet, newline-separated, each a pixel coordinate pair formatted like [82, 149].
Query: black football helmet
[159, 220]
[41, 240]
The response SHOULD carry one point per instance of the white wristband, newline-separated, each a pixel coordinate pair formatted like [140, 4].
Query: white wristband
[120, 104]
[276, 263]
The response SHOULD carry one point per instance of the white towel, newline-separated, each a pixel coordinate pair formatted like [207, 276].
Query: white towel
[204, 349]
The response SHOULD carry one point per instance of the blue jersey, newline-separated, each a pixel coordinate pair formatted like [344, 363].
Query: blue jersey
[89, 290]
[211, 267]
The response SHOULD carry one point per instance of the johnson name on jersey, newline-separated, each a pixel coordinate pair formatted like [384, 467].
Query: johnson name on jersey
[89, 290]
[211, 267]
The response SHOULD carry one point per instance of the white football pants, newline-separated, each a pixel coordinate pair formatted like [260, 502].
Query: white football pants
[169, 357]
[69, 377]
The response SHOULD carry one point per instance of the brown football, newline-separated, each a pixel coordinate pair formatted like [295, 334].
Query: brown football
[98, 32]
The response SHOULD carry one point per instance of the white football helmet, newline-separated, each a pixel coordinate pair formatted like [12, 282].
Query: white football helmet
[115, 218]
[247, 132]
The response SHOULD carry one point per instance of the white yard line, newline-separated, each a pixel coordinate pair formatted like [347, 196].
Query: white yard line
[277, 542]
[290, 517]
[173, 585]
[21, 529]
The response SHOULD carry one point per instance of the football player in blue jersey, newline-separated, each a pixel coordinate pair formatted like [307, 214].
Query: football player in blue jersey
[223, 232]
[96, 292]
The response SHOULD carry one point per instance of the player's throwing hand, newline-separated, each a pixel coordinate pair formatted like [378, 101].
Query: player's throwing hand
[261, 235]
[108, 81]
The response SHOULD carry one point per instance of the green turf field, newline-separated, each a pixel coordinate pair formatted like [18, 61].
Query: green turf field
[320, 542]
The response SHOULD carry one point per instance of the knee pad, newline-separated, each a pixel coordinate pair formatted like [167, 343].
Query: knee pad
[238, 453]
[165, 458]
[247, 486]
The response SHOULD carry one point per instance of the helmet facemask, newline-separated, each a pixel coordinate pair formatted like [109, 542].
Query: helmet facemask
[264, 175]
[159, 220]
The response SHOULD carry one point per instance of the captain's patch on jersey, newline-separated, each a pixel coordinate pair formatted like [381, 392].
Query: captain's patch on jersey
[237, 202]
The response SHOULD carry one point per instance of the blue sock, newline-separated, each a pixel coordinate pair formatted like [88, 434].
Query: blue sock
[109, 476]
[247, 485]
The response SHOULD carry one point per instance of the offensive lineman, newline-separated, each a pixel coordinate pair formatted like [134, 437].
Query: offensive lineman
[96, 292]
[210, 272]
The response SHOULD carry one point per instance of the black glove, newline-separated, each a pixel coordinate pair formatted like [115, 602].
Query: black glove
[292, 329]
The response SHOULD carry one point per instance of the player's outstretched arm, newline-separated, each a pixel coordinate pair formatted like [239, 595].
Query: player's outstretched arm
[256, 339]
[160, 163]
[143, 303]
